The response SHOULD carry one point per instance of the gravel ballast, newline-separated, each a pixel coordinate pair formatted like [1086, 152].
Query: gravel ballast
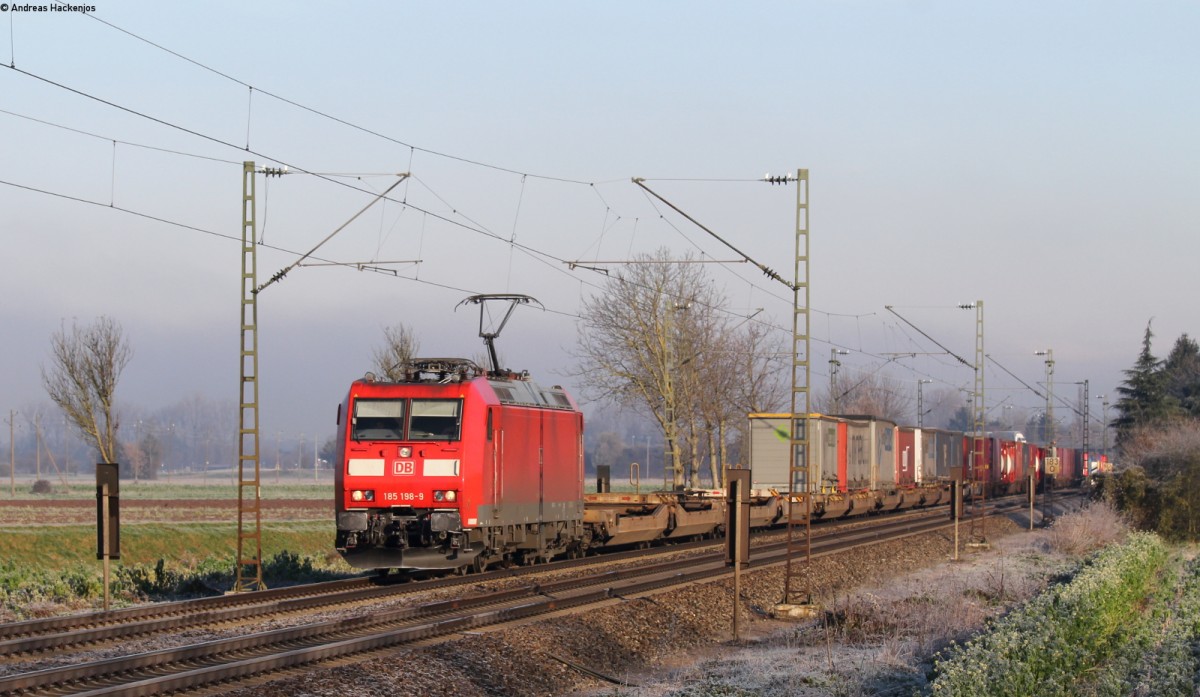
[676, 642]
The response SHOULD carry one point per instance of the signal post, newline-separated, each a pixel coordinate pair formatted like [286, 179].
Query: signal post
[737, 532]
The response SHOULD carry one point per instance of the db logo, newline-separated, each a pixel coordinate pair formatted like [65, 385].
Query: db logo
[404, 467]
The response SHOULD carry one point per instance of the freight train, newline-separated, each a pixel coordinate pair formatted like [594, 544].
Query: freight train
[454, 467]
[863, 464]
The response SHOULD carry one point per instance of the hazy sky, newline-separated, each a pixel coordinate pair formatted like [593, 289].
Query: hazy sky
[1041, 157]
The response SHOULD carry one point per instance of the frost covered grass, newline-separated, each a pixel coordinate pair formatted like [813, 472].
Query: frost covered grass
[52, 570]
[28, 593]
[1044, 646]
[1156, 656]
[1093, 527]
[882, 639]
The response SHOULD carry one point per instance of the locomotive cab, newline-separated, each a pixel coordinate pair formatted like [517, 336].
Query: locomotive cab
[402, 477]
[453, 467]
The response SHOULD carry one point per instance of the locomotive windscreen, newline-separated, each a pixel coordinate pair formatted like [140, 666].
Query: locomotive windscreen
[378, 419]
[435, 419]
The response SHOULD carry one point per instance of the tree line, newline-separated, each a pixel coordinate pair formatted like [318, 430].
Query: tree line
[81, 377]
[1158, 437]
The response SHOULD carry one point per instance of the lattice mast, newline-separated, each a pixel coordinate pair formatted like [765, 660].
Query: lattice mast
[248, 574]
[979, 470]
[798, 477]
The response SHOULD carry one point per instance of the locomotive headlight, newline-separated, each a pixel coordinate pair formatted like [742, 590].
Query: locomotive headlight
[405, 451]
[445, 495]
[451, 495]
[359, 495]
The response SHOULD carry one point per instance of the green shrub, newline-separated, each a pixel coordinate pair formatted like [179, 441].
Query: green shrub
[1157, 656]
[1042, 646]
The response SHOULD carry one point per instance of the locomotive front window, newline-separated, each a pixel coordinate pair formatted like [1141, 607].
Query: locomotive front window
[378, 419]
[435, 419]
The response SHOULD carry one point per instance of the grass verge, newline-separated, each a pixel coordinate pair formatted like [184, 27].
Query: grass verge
[50, 570]
[1045, 645]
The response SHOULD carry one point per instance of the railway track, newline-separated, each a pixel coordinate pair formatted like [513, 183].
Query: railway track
[66, 632]
[240, 658]
[56, 634]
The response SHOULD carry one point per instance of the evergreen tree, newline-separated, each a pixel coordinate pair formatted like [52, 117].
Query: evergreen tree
[1036, 428]
[962, 420]
[1182, 369]
[1143, 395]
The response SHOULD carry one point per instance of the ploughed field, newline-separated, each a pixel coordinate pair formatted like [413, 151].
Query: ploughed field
[73, 511]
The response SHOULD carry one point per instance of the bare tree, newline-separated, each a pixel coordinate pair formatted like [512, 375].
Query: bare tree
[874, 394]
[629, 346]
[659, 339]
[941, 406]
[759, 364]
[400, 346]
[86, 364]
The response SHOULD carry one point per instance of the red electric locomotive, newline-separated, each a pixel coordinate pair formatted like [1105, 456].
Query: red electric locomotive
[454, 467]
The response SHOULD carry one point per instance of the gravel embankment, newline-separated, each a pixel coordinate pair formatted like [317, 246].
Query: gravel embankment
[624, 641]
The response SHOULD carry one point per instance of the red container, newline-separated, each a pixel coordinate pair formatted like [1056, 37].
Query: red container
[909, 447]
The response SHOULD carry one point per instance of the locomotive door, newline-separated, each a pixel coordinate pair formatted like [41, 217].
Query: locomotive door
[496, 437]
[517, 471]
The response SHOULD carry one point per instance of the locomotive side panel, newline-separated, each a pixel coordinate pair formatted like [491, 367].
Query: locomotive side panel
[517, 469]
[562, 471]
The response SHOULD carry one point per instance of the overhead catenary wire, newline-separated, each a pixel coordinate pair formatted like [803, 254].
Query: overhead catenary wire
[762, 267]
[478, 228]
[232, 238]
[322, 114]
[960, 358]
[283, 272]
[1001, 367]
[252, 88]
[169, 151]
[526, 249]
[537, 254]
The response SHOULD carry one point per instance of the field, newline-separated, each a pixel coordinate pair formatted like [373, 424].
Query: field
[177, 538]
[191, 487]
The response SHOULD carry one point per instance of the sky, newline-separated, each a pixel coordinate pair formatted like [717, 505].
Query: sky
[1039, 157]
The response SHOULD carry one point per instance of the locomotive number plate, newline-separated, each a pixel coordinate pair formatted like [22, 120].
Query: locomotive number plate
[404, 467]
